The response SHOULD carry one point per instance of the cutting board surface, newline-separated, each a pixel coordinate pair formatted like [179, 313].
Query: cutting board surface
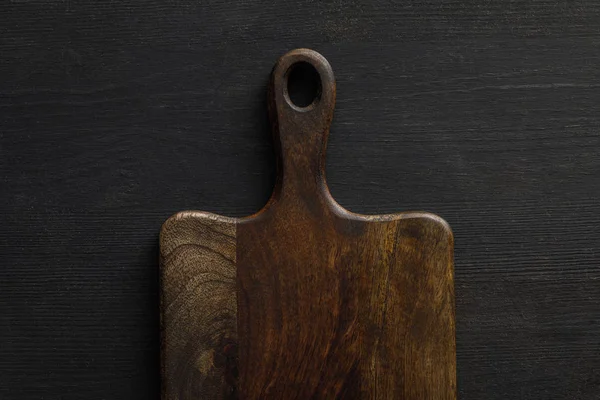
[306, 300]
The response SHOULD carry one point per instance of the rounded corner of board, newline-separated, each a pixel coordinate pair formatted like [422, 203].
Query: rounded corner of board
[168, 224]
[434, 220]
[182, 216]
[182, 221]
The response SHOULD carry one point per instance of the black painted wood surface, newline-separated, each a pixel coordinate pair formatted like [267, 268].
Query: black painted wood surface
[114, 115]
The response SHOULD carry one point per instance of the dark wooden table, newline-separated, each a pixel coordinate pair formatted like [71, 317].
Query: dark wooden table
[115, 115]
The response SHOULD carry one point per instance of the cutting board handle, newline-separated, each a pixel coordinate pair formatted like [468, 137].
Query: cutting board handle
[300, 133]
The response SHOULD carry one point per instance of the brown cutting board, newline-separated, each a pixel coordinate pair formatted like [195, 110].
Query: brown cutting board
[306, 300]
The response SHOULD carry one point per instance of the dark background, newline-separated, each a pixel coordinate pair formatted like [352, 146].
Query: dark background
[116, 114]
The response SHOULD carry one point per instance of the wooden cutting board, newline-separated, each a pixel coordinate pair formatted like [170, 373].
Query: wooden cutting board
[306, 300]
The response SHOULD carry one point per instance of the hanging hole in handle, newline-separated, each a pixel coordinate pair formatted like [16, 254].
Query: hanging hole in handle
[303, 88]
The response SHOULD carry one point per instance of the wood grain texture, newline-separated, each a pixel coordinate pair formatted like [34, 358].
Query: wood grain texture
[198, 307]
[356, 309]
[115, 115]
[330, 304]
